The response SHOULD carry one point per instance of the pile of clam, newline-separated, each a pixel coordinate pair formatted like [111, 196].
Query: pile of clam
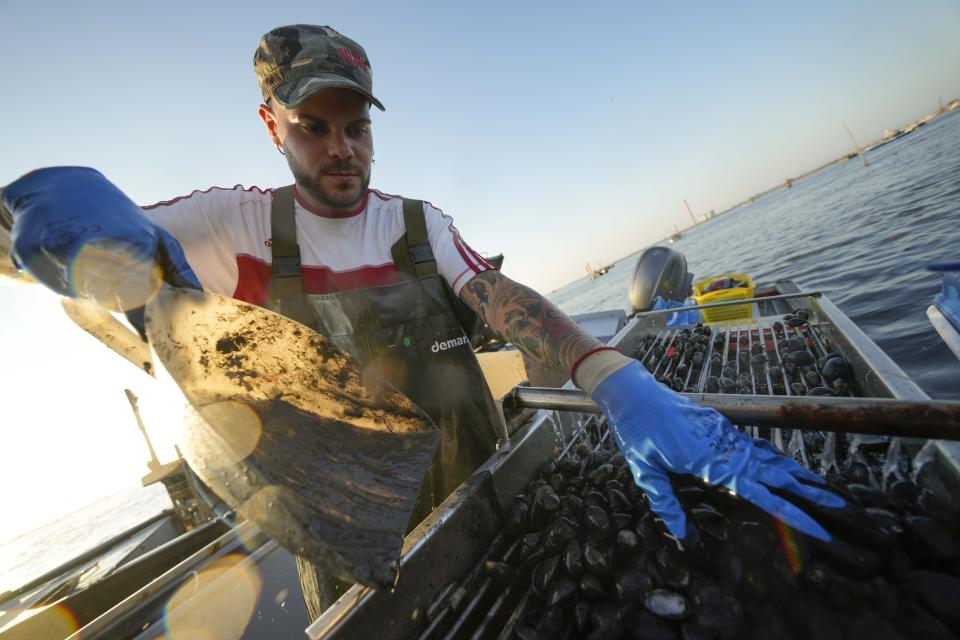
[749, 364]
[599, 565]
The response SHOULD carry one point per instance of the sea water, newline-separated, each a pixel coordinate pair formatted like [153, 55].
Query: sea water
[862, 235]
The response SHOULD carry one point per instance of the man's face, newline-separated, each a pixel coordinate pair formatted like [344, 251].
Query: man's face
[328, 145]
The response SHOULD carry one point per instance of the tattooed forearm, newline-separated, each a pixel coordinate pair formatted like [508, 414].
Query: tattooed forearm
[527, 319]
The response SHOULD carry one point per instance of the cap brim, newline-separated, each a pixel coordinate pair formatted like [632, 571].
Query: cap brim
[292, 94]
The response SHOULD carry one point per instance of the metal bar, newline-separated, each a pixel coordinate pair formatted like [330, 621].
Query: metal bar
[934, 419]
[814, 334]
[668, 342]
[730, 303]
[776, 350]
[766, 352]
[707, 359]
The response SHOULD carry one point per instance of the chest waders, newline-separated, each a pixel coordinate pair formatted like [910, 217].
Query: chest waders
[409, 334]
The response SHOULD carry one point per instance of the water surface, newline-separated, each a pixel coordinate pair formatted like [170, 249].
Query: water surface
[860, 234]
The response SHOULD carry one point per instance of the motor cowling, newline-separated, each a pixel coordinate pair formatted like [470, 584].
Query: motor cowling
[660, 271]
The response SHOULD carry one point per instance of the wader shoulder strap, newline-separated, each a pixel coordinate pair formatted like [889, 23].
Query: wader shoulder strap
[286, 284]
[412, 253]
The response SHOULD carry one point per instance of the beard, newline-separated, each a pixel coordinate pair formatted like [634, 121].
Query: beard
[334, 199]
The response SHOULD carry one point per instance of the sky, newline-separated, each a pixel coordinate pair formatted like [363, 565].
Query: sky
[556, 133]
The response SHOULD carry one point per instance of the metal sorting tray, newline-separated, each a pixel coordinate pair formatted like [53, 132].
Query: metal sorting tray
[443, 591]
[740, 340]
[828, 329]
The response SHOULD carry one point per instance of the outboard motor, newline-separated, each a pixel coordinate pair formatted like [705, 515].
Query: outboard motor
[660, 271]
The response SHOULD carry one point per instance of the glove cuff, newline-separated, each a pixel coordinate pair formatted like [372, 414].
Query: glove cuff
[597, 366]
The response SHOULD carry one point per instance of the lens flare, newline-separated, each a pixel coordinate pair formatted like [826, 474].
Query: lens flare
[788, 541]
[54, 621]
[63, 620]
[238, 426]
[114, 275]
[215, 603]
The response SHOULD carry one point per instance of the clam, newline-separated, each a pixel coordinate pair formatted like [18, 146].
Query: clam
[836, 368]
[632, 585]
[716, 365]
[605, 618]
[563, 592]
[547, 498]
[620, 521]
[711, 385]
[519, 513]
[544, 574]
[668, 605]
[841, 387]
[581, 617]
[591, 588]
[572, 559]
[560, 531]
[821, 391]
[594, 561]
[796, 344]
[627, 541]
[597, 522]
[799, 358]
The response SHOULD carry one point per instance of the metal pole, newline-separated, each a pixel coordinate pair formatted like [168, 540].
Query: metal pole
[132, 399]
[730, 303]
[933, 419]
[855, 145]
[690, 211]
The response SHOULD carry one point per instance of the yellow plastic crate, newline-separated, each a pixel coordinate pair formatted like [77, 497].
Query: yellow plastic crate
[733, 312]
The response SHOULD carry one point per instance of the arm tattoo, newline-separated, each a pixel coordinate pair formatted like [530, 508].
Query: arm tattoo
[527, 319]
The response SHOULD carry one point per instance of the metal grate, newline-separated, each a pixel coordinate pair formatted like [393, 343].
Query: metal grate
[671, 357]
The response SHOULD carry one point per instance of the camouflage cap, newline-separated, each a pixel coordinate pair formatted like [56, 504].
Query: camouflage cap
[295, 61]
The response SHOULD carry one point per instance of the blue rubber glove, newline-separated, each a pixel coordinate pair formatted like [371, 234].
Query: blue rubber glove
[660, 431]
[78, 234]
[680, 318]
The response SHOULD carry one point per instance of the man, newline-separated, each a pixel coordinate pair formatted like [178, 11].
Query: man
[383, 277]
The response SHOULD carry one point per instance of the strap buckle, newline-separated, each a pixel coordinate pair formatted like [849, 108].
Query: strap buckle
[420, 253]
[286, 266]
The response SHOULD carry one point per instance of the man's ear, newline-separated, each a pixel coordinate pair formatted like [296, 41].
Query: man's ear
[270, 122]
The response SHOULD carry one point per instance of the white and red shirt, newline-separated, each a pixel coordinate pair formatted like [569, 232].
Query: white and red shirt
[225, 234]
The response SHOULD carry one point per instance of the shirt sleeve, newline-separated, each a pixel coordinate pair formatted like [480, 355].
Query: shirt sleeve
[457, 262]
[199, 222]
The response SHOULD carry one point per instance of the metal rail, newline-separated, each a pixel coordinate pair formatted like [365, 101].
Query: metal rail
[933, 419]
[730, 303]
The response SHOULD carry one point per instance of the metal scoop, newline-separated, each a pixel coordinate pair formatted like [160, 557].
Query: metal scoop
[280, 425]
